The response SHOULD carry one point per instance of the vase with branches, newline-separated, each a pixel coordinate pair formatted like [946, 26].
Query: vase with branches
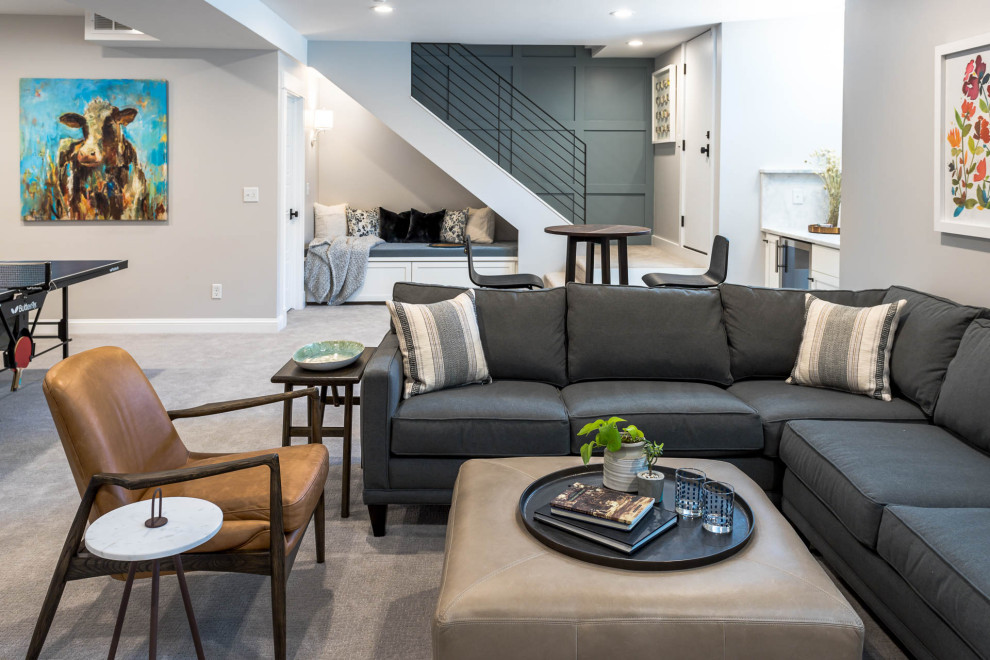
[830, 171]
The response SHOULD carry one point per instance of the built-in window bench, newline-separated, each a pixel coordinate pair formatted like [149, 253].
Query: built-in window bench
[418, 262]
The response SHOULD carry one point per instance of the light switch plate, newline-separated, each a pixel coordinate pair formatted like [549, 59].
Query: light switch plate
[251, 194]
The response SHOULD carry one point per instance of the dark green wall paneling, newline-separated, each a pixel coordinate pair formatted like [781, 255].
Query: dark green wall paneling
[606, 101]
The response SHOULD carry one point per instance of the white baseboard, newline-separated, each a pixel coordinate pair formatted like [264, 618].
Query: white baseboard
[174, 326]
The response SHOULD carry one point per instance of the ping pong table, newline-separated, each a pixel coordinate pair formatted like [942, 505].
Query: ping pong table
[24, 286]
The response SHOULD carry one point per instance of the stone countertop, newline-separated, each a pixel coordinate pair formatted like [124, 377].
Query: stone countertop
[825, 240]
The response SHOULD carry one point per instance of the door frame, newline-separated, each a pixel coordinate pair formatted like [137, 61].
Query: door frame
[290, 293]
[714, 33]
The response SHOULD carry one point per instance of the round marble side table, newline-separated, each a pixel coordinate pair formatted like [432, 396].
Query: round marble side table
[122, 535]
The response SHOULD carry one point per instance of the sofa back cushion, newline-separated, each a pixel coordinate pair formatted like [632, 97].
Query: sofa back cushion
[764, 326]
[962, 404]
[616, 332]
[927, 338]
[522, 332]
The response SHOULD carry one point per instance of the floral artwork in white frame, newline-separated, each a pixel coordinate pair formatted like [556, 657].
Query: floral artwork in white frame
[962, 137]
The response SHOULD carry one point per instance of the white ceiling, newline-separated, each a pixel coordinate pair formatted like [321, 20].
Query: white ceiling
[44, 7]
[660, 24]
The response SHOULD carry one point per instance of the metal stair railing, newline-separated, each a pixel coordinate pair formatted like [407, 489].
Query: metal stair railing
[510, 128]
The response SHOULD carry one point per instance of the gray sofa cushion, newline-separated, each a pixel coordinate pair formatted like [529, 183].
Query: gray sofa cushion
[424, 251]
[778, 402]
[504, 418]
[962, 404]
[617, 332]
[858, 468]
[928, 335]
[764, 326]
[692, 419]
[942, 554]
[523, 332]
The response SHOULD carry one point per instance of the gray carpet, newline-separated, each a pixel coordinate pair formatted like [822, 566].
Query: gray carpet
[373, 598]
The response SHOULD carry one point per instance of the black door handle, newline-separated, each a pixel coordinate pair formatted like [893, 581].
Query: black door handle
[704, 150]
[293, 213]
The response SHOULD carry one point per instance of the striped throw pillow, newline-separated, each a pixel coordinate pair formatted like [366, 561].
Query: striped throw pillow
[440, 344]
[847, 348]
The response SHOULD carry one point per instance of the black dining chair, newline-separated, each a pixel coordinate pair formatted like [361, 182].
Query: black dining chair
[516, 281]
[713, 277]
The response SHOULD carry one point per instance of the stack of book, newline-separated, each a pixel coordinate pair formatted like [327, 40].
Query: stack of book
[618, 520]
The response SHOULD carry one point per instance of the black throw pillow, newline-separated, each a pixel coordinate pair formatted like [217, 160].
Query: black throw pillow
[394, 226]
[425, 227]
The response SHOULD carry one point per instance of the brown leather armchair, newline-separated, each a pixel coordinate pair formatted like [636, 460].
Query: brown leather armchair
[121, 445]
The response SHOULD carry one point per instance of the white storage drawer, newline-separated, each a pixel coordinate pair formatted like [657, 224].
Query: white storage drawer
[825, 261]
[380, 278]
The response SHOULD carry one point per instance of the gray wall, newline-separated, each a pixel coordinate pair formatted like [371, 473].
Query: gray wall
[365, 164]
[222, 136]
[887, 200]
[606, 101]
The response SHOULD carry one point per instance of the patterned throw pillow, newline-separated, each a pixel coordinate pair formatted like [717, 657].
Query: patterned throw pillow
[440, 344]
[847, 348]
[362, 222]
[453, 228]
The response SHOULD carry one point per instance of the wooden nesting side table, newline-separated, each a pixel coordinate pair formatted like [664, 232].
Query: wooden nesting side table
[292, 375]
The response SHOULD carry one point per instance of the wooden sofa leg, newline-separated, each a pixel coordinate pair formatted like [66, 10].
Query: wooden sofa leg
[72, 542]
[379, 514]
[278, 614]
[320, 529]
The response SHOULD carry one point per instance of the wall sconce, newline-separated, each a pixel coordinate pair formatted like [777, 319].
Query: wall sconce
[322, 121]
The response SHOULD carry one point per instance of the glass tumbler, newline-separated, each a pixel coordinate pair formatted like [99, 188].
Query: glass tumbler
[719, 503]
[688, 500]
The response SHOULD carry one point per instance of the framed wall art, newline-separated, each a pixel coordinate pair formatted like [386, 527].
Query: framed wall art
[664, 105]
[962, 137]
[93, 149]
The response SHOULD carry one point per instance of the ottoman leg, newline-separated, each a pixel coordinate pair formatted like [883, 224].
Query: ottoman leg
[378, 513]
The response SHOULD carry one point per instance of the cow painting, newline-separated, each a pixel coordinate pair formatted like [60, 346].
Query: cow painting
[94, 149]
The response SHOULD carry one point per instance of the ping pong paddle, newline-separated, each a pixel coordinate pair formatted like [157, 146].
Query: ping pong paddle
[20, 355]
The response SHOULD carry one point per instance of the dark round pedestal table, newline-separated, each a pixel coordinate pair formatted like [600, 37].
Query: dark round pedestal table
[597, 235]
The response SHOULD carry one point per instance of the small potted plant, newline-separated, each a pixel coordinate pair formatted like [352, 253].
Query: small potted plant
[624, 456]
[649, 483]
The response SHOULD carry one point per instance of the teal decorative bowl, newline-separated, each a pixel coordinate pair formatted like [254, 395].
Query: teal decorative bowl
[328, 355]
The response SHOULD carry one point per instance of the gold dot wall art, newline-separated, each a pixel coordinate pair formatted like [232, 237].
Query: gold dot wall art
[664, 105]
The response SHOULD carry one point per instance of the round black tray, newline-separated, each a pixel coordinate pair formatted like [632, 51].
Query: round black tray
[686, 545]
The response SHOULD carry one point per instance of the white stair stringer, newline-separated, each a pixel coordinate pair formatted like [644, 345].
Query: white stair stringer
[378, 76]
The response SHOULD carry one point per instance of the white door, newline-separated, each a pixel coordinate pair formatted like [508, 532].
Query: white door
[698, 87]
[293, 200]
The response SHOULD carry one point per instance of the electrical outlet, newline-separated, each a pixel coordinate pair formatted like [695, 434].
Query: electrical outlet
[251, 194]
[216, 291]
[797, 196]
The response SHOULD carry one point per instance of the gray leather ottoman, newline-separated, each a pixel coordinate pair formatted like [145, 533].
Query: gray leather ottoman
[505, 595]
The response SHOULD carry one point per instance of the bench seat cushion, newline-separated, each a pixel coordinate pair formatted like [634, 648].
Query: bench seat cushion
[424, 251]
[942, 554]
[778, 402]
[504, 418]
[858, 468]
[692, 419]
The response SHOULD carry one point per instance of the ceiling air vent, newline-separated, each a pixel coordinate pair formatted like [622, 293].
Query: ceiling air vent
[102, 23]
[103, 28]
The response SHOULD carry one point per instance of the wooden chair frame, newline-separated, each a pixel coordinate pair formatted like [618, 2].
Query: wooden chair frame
[76, 563]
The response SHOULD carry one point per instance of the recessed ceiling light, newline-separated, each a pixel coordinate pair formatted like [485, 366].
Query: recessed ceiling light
[635, 43]
[382, 8]
[621, 13]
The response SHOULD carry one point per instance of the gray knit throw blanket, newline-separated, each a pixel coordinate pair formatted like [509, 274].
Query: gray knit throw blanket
[336, 269]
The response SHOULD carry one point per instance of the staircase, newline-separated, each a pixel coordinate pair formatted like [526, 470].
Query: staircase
[496, 159]
[505, 124]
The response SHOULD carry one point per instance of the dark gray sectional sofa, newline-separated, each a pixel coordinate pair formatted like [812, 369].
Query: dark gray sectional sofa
[895, 495]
